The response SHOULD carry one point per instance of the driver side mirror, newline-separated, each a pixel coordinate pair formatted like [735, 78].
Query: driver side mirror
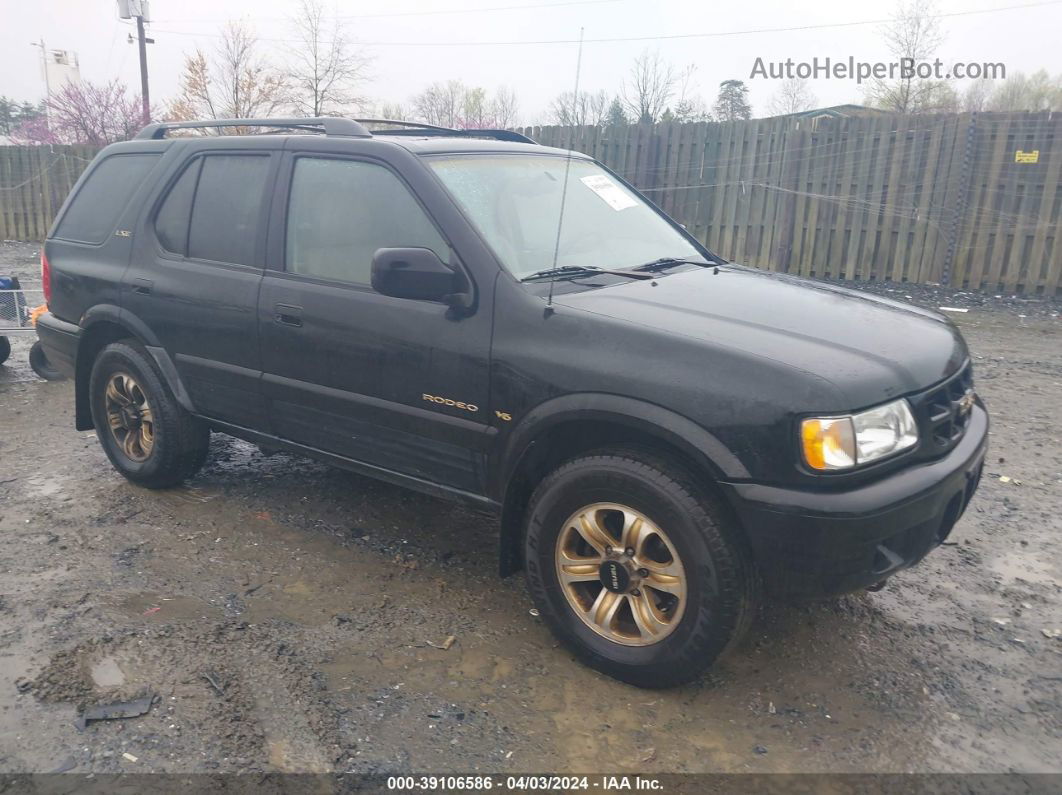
[415, 273]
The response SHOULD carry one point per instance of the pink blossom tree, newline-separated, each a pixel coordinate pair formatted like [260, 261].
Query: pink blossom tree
[85, 113]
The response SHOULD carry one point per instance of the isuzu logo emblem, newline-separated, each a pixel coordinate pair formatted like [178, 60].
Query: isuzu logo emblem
[614, 576]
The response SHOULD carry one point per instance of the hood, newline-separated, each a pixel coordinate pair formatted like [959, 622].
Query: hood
[871, 349]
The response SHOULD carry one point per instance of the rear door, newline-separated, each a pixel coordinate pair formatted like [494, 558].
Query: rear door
[196, 271]
[398, 384]
[90, 245]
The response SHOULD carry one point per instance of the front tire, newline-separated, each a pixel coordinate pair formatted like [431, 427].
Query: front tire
[145, 433]
[638, 571]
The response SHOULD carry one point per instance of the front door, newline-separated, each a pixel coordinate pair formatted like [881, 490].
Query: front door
[398, 384]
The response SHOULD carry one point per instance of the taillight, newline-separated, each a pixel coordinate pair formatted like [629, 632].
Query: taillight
[46, 278]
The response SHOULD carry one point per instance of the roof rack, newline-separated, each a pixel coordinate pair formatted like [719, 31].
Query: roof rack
[330, 125]
[333, 125]
[421, 128]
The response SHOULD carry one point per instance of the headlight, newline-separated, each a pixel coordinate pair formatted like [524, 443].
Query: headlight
[832, 443]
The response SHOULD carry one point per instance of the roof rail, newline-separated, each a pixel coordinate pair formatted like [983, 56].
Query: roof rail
[333, 125]
[501, 135]
[420, 128]
[330, 125]
[398, 123]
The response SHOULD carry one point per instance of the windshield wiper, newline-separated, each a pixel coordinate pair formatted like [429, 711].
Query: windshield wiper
[575, 271]
[669, 262]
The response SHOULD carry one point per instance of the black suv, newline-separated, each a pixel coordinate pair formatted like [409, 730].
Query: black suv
[663, 435]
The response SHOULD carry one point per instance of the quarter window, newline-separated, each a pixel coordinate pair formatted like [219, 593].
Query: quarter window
[94, 212]
[342, 211]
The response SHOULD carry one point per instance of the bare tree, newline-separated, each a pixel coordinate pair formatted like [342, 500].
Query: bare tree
[589, 109]
[475, 109]
[1038, 91]
[505, 108]
[393, 110]
[690, 105]
[649, 87]
[440, 103]
[236, 83]
[325, 72]
[85, 113]
[912, 36]
[453, 104]
[975, 97]
[793, 96]
[939, 96]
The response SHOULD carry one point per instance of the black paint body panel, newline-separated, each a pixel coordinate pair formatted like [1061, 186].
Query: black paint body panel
[719, 364]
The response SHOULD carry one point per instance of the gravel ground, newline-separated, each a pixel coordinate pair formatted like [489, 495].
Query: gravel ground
[287, 616]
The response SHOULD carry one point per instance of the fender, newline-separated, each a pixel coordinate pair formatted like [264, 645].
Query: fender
[138, 329]
[650, 418]
[123, 317]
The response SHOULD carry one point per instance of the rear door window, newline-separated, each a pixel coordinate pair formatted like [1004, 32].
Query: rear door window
[227, 208]
[98, 204]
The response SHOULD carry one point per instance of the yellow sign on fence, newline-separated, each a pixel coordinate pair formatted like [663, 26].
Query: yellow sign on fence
[1027, 157]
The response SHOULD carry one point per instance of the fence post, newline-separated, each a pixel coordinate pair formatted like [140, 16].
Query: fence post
[788, 182]
[960, 202]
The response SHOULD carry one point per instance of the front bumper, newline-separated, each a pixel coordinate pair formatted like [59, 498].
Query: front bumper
[822, 543]
[60, 341]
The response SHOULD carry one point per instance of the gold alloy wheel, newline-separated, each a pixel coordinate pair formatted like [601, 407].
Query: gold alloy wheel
[129, 416]
[621, 574]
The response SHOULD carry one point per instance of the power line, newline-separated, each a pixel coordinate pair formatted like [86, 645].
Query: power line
[661, 37]
[433, 12]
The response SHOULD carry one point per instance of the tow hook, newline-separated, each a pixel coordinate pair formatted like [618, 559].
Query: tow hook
[877, 586]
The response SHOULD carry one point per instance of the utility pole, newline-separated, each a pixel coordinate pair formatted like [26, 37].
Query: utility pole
[127, 9]
[47, 85]
[44, 65]
[142, 43]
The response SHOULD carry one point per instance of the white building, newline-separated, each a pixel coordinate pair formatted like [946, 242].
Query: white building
[60, 70]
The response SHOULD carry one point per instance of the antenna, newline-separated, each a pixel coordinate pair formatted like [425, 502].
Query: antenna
[567, 168]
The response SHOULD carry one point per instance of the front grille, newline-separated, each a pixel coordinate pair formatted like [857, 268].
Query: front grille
[943, 412]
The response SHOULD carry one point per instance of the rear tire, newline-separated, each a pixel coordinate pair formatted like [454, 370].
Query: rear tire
[672, 626]
[145, 433]
[5, 349]
[41, 366]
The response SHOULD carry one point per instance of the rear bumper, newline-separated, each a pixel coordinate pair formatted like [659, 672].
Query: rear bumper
[822, 543]
[60, 341]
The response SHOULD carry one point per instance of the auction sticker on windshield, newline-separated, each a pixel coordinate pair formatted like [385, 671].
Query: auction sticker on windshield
[608, 190]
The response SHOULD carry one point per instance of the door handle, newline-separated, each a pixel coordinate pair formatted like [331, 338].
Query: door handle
[142, 286]
[288, 314]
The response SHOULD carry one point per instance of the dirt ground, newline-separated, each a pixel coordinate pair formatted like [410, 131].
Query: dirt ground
[288, 616]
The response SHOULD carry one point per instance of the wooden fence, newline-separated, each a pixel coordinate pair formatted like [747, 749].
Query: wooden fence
[969, 200]
[34, 181]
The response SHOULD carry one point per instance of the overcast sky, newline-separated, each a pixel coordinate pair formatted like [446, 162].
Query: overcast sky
[416, 42]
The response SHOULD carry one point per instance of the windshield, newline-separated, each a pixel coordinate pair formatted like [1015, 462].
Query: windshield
[515, 202]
